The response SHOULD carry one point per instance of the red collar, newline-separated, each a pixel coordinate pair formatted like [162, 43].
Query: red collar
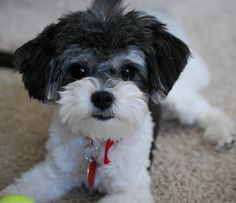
[107, 149]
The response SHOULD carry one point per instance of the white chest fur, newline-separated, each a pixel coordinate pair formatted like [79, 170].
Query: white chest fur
[129, 157]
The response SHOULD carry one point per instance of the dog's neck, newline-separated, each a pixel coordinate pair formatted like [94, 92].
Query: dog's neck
[91, 154]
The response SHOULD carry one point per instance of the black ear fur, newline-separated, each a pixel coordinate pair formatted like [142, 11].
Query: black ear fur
[33, 59]
[169, 57]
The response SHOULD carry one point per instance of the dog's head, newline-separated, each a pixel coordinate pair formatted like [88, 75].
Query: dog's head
[105, 63]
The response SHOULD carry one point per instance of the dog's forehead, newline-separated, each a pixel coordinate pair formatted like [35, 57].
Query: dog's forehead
[113, 58]
[132, 54]
[115, 61]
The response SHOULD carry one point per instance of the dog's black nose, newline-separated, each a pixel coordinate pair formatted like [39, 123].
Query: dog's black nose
[102, 99]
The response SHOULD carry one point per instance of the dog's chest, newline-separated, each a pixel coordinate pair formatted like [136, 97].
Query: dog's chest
[128, 157]
[96, 164]
[111, 161]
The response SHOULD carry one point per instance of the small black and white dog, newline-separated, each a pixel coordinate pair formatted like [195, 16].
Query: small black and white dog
[107, 69]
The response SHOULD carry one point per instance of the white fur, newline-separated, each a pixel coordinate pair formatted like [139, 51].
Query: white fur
[76, 109]
[192, 108]
[65, 166]
[186, 100]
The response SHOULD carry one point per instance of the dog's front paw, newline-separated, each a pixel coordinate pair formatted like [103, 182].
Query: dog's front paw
[10, 190]
[225, 145]
[116, 199]
[222, 138]
[1, 194]
[128, 197]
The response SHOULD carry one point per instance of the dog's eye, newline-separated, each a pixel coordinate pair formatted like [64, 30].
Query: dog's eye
[128, 72]
[79, 71]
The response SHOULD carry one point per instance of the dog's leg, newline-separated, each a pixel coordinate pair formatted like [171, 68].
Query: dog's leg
[138, 196]
[43, 183]
[192, 108]
[134, 194]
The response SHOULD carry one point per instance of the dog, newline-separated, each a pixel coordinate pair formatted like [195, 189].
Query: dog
[108, 71]
[6, 59]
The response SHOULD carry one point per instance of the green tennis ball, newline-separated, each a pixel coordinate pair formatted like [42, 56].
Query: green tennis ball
[16, 199]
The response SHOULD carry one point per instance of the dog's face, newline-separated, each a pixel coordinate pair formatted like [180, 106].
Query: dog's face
[105, 63]
[104, 98]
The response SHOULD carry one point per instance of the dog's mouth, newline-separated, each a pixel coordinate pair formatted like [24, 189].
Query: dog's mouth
[103, 117]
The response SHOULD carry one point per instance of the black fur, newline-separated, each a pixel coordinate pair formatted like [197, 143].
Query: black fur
[115, 31]
[102, 8]
[33, 60]
[169, 57]
[6, 59]
[155, 110]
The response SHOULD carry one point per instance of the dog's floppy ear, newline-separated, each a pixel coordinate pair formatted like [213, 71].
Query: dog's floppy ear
[33, 61]
[169, 56]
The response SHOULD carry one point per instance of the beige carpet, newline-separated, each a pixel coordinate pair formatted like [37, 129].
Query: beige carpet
[185, 169]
